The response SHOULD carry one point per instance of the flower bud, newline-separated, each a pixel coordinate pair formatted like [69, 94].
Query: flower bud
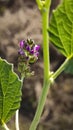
[28, 53]
[22, 44]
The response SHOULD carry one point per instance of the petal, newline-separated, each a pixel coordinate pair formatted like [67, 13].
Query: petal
[21, 52]
[36, 48]
[22, 43]
[28, 48]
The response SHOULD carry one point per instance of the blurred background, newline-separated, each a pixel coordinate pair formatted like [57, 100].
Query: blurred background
[21, 19]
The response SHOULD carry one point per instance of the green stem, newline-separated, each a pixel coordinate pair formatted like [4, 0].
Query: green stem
[45, 92]
[61, 69]
[45, 19]
[40, 106]
[39, 3]
[47, 3]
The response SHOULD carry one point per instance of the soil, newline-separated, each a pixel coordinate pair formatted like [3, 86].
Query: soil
[21, 19]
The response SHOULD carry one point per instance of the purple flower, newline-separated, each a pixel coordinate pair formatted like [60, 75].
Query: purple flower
[32, 51]
[29, 51]
[21, 52]
[22, 44]
[28, 48]
[36, 48]
[36, 51]
[36, 54]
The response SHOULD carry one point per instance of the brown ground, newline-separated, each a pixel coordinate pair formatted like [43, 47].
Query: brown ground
[19, 20]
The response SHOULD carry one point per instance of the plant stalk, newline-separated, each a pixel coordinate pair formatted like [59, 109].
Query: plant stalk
[17, 119]
[45, 21]
[40, 106]
[5, 126]
[17, 111]
[61, 68]
[39, 3]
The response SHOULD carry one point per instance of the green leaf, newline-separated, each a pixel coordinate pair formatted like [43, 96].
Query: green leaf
[10, 91]
[61, 28]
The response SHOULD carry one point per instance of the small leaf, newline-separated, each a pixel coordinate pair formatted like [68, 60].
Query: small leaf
[10, 91]
[61, 28]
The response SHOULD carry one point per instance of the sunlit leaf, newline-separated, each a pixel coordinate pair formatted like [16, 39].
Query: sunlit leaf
[61, 28]
[10, 91]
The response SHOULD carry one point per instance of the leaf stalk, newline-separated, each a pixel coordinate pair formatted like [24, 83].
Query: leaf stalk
[17, 119]
[5, 126]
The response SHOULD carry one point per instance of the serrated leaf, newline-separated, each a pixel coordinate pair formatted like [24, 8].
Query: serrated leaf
[61, 28]
[10, 91]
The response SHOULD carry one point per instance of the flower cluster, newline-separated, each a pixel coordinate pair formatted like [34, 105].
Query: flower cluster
[28, 53]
